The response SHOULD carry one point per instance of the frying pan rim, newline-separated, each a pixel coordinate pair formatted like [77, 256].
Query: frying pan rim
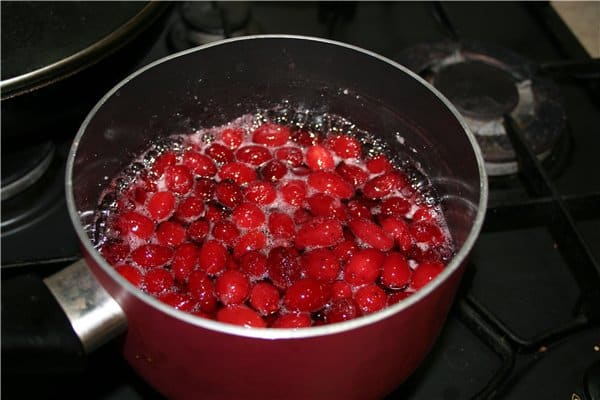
[275, 333]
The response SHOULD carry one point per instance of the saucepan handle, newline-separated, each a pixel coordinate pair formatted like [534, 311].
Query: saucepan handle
[51, 324]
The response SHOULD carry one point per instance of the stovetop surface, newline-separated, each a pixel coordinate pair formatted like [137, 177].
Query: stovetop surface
[519, 285]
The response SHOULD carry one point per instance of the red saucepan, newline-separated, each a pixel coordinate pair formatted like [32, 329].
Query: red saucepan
[184, 356]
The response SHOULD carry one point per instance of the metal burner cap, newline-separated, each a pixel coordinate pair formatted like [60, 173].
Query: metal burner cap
[478, 90]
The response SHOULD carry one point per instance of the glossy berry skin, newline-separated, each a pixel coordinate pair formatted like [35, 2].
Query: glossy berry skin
[342, 310]
[237, 172]
[399, 230]
[271, 135]
[228, 194]
[330, 183]
[283, 266]
[322, 232]
[199, 164]
[371, 234]
[221, 154]
[136, 224]
[321, 264]
[306, 295]
[226, 231]
[318, 158]
[265, 298]
[232, 287]
[178, 179]
[158, 280]
[190, 209]
[292, 321]
[425, 272]
[290, 155]
[293, 192]
[161, 205]
[200, 287]
[232, 137]
[395, 272]
[281, 226]
[381, 185]
[212, 257]
[162, 162]
[131, 273]
[364, 267]
[197, 231]
[253, 264]
[152, 255]
[345, 146]
[353, 174]
[178, 301]
[248, 216]
[253, 155]
[170, 233]
[115, 252]
[239, 314]
[370, 298]
[273, 171]
[260, 193]
[185, 259]
[253, 240]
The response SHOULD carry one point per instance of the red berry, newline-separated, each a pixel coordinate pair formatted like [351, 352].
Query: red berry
[205, 188]
[178, 301]
[253, 264]
[306, 295]
[197, 230]
[397, 297]
[273, 171]
[305, 138]
[364, 267]
[425, 272]
[271, 135]
[345, 146]
[253, 240]
[248, 216]
[281, 226]
[212, 257]
[320, 264]
[228, 194]
[371, 233]
[215, 213]
[398, 229]
[152, 255]
[318, 158]
[220, 153]
[423, 214]
[261, 193]
[170, 234]
[254, 155]
[301, 216]
[158, 280]
[189, 209]
[239, 314]
[199, 164]
[136, 224]
[232, 137]
[357, 209]
[294, 192]
[370, 298]
[382, 185]
[427, 232]
[232, 287]
[226, 231]
[292, 321]
[292, 155]
[161, 205]
[283, 266]
[163, 161]
[238, 173]
[395, 206]
[184, 261]
[178, 179]
[379, 164]
[115, 252]
[323, 232]
[330, 183]
[395, 273]
[340, 290]
[200, 287]
[131, 273]
[342, 310]
[264, 298]
[353, 174]
[322, 205]
[345, 250]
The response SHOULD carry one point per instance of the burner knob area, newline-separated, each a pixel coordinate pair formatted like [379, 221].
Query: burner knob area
[591, 382]
[203, 22]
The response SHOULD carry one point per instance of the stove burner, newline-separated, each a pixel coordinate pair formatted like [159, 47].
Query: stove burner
[23, 167]
[477, 89]
[485, 83]
[205, 22]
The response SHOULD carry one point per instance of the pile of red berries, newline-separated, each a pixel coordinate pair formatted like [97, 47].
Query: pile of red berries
[275, 227]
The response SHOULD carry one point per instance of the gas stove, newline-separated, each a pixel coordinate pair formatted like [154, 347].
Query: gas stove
[525, 322]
